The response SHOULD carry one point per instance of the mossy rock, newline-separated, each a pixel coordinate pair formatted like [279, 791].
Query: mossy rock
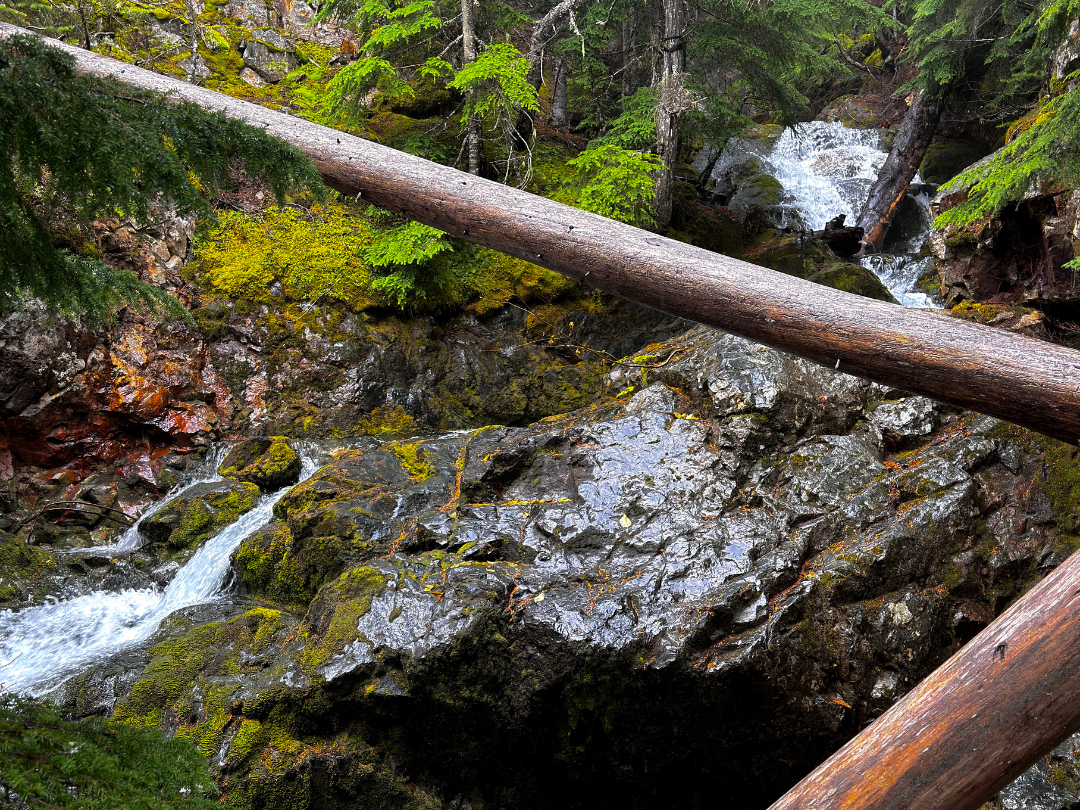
[793, 255]
[946, 158]
[20, 564]
[270, 464]
[191, 518]
[287, 569]
[854, 278]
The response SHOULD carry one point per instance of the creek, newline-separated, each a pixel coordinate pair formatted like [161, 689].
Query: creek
[42, 647]
[825, 169]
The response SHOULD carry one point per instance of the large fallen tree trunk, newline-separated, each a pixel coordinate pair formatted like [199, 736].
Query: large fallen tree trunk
[1025, 381]
[909, 147]
[975, 724]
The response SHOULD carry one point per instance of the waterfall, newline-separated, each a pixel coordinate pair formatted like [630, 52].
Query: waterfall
[826, 169]
[42, 647]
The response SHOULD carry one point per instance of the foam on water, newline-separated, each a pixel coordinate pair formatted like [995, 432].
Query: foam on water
[827, 169]
[41, 647]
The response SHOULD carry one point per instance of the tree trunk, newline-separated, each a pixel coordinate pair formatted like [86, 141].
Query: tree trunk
[1026, 381]
[543, 29]
[671, 102]
[628, 39]
[559, 93]
[473, 135]
[909, 147]
[975, 724]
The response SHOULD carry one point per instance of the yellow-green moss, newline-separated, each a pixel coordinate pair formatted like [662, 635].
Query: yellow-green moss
[346, 600]
[310, 256]
[385, 419]
[412, 460]
[167, 688]
[204, 516]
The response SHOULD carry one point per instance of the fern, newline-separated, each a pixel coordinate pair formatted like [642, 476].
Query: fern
[615, 183]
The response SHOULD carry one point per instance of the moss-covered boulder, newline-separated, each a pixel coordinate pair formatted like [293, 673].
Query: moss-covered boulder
[270, 463]
[946, 158]
[854, 278]
[196, 514]
[264, 752]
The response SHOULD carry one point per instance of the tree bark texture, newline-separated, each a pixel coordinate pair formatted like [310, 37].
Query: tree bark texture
[1026, 381]
[909, 147]
[543, 30]
[671, 102]
[560, 96]
[975, 724]
[473, 134]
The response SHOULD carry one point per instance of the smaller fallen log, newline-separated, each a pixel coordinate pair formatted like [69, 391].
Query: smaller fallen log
[908, 149]
[843, 240]
[975, 724]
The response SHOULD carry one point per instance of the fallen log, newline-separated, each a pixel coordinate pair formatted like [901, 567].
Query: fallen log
[975, 724]
[908, 150]
[1029, 382]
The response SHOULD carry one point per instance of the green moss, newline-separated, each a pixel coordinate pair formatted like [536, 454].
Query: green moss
[974, 311]
[165, 693]
[853, 278]
[20, 565]
[412, 460]
[385, 419]
[277, 466]
[204, 516]
[332, 620]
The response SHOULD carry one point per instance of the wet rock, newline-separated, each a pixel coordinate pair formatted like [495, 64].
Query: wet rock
[945, 158]
[193, 516]
[742, 539]
[268, 463]
[1015, 257]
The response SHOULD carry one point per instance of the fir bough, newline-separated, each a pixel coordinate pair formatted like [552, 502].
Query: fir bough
[78, 148]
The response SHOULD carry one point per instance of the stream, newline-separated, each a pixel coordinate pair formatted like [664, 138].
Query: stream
[42, 647]
[826, 169]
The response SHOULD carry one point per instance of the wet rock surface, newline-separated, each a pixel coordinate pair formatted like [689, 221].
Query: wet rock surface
[704, 585]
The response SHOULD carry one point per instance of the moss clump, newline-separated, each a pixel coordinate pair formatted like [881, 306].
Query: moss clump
[277, 565]
[385, 419]
[20, 564]
[270, 464]
[311, 256]
[183, 683]
[190, 519]
[331, 623]
[854, 278]
[412, 460]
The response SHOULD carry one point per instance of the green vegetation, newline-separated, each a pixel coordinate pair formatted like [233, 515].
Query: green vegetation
[79, 148]
[53, 762]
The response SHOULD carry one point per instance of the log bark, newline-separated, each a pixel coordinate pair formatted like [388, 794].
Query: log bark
[975, 724]
[671, 101]
[909, 147]
[473, 134]
[1019, 379]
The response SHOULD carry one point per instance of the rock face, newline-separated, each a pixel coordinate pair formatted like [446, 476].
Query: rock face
[699, 588]
[1016, 257]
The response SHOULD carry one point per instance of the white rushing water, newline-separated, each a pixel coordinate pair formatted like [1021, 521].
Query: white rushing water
[827, 169]
[41, 647]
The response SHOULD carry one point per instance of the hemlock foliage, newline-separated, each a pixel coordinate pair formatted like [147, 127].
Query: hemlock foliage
[76, 149]
[49, 762]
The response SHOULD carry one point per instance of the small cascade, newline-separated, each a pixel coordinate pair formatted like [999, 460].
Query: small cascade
[41, 647]
[824, 170]
[204, 471]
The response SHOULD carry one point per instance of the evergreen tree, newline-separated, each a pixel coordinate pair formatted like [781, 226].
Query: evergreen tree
[49, 762]
[74, 149]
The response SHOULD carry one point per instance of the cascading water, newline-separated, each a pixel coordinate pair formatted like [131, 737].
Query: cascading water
[826, 169]
[41, 647]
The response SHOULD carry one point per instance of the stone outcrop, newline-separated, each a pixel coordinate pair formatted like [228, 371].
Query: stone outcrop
[699, 587]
